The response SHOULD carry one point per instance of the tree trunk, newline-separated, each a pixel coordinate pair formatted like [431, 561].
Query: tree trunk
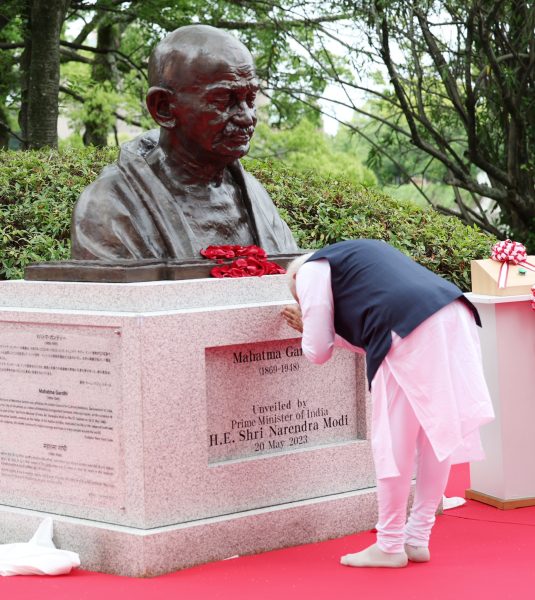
[40, 119]
[25, 71]
[104, 69]
[4, 131]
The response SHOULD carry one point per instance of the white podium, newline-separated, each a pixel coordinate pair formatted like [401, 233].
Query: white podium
[506, 478]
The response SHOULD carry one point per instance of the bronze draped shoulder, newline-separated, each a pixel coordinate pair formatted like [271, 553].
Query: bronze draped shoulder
[127, 213]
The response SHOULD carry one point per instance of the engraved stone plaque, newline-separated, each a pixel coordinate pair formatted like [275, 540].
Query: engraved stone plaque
[60, 413]
[267, 397]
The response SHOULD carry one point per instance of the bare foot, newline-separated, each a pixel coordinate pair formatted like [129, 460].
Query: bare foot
[417, 553]
[373, 556]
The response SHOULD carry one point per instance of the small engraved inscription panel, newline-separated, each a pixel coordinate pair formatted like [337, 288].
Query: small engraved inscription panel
[60, 404]
[266, 398]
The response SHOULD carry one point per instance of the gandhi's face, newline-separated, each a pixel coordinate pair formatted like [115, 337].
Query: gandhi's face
[215, 112]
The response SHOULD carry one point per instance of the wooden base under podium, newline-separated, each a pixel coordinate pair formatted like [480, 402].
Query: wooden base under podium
[499, 502]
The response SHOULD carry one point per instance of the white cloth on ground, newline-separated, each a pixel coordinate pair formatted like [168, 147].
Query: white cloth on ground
[452, 502]
[39, 556]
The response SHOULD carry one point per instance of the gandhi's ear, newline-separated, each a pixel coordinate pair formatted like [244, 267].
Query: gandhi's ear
[159, 103]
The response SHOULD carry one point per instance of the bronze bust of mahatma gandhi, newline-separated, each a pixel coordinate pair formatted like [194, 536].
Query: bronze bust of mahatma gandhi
[181, 189]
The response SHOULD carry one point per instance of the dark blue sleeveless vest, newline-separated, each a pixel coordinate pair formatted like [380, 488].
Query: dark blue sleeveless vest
[376, 290]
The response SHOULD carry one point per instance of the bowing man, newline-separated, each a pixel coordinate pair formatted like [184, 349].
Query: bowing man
[429, 396]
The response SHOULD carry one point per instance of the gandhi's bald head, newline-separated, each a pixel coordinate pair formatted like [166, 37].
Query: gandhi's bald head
[191, 54]
[203, 88]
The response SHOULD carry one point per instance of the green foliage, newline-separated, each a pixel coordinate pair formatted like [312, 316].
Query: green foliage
[306, 148]
[440, 194]
[98, 110]
[39, 188]
[37, 192]
[323, 211]
[410, 161]
[10, 33]
[277, 37]
[461, 100]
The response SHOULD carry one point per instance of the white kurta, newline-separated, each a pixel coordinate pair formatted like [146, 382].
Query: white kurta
[438, 366]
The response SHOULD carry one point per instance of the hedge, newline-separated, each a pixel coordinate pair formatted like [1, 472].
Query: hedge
[37, 192]
[39, 188]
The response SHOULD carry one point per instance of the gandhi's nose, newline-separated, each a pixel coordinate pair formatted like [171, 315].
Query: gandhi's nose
[245, 116]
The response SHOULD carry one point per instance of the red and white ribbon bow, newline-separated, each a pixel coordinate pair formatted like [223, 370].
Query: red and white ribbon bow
[509, 252]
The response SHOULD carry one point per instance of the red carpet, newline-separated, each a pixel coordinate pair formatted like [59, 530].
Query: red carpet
[477, 552]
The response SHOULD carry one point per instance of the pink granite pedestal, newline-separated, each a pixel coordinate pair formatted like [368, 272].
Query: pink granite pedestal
[168, 424]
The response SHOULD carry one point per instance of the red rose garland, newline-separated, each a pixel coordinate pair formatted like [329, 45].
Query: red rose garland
[220, 252]
[251, 261]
